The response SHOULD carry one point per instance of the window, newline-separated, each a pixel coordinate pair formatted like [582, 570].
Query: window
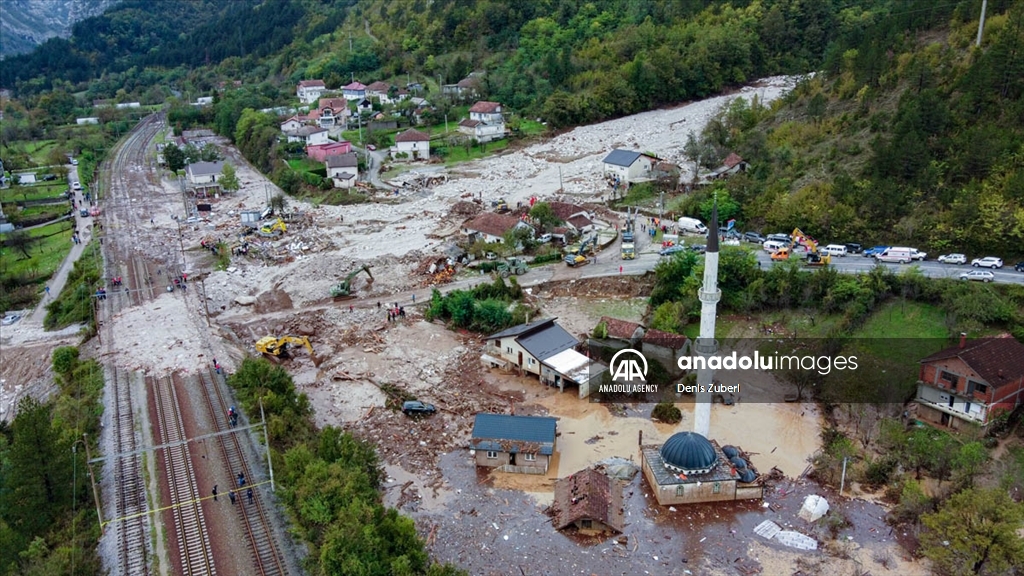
[586, 524]
[530, 457]
[530, 361]
[948, 378]
[492, 455]
[508, 349]
[978, 387]
[680, 489]
[716, 488]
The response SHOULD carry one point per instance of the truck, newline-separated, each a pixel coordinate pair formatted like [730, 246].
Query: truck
[628, 249]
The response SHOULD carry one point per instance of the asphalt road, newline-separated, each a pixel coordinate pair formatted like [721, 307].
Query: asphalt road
[609, 263]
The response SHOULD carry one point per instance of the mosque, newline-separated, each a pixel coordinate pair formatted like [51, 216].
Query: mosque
[689, 468]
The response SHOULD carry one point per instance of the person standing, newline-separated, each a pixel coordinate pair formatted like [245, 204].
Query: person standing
[413, 298]
[47, 290]
[248, 493]
[214, 492]
[231, 495]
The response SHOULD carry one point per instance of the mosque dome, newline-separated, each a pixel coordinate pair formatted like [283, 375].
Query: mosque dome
[689, 453]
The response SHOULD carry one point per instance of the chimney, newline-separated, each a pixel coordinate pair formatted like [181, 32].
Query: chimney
[963, 339]
[1000, 372]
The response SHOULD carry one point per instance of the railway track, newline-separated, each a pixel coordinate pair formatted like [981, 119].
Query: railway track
[263, 546]
[196, 554]
[130, 505]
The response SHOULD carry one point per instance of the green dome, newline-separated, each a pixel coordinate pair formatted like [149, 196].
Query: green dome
[689, 453]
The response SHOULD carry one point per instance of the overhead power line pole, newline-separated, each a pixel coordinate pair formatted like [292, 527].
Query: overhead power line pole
[981, 22]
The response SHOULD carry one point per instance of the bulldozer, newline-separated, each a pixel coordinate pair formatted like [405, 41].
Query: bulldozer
[344, 288]
[273, 230]
[817, 259]
[814, 256]
[278, 346]
[500, 206]
[511, 266]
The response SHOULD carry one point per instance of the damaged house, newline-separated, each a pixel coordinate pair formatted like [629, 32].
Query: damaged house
[590, 501]
[522, 444]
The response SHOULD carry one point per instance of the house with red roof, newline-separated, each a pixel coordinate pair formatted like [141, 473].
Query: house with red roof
[485, 122]
[411, 145]
[972, 382]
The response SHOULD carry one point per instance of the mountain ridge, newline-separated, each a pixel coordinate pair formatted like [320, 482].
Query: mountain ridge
[25, 24]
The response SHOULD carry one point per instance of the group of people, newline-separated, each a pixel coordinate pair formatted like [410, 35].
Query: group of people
[231, 493]
[395, 311]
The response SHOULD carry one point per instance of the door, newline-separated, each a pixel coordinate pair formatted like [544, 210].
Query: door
[945, 419]
[512, 459]
[521, 362]
[950, 397]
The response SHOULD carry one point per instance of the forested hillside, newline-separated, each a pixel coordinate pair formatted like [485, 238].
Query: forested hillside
[567, 60]
[910, 136]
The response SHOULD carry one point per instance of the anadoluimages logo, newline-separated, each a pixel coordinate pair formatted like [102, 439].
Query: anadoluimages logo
[627, 368]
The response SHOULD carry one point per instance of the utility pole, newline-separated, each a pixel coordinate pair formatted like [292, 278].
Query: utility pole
[92, 478]
[266, 440]
[206, 301]
[981, 22]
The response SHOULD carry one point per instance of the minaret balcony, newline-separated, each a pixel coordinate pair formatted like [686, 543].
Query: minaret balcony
[709, 296]
[705, 346]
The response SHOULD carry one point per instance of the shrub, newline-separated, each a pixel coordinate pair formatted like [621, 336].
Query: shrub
[667, 412]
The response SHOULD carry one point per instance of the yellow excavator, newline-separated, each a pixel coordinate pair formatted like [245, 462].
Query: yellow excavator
[278, 345]
[272, 230]
[814, 257]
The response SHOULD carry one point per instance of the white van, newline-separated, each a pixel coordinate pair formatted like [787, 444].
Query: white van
[773, 246]
[692, 226]
[896, 254]
[834, 250]
[77, 185]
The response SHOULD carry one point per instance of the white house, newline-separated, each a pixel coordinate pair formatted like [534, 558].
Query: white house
[87, 120]
[343, 169]
[354, 91]
[628, 165]
[309, 135]
[543, 349]
[364, 105]
[379, 90]
[204, 101]
[485, 122]
[309, 91]
[126, 105]
[291, 125]
[412, 142]
[204, 172]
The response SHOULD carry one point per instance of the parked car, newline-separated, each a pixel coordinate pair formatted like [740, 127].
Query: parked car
[754, 237]
[953, 259]
[50, 177]
[74, 162]
[698, 248]
[987, 262]
[1019, 266]
[875, 251]
[671, 250]
[732, 234]
[83, 213]
[76, 185]
[10, 319]
[415, 407]
[371, 147]
[917, 254]
[544, 238]
[978, 275]
[780, 238]
[853, 248]
[835, 250]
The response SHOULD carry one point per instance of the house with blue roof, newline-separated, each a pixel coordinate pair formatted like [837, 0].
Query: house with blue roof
[522, 444]
[625, 166]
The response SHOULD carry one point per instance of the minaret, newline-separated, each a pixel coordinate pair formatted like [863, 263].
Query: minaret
[706, 344]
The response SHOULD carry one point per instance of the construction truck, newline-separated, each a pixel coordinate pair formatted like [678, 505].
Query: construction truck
[574, 260]
[814, 256]
[273, 230]
[344, 288]
[500, 206]
[278, 345]
[511, 266]
[628, 248]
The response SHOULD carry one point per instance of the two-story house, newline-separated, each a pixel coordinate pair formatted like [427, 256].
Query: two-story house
[576, 218]
[485, 122]
[527, 346]
[343, 169]
[354, 91]
[628, 165]
[309, 135]
[972, 382]
[379, 90]
[412, 145]
[291, 125]
[309, 91]
[332, 112]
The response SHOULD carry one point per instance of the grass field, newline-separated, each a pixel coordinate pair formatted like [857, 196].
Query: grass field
[46, 254]
[305, 165]
[631, 309]
[457, 154]
[36, 192]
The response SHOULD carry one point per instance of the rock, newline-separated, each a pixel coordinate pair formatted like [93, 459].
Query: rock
[245, 300]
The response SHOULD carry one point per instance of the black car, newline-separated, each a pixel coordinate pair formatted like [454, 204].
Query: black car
[754, 237]
[1019, 266]
[853, 248]
[50, 177]
[415, 407]
[698, 248]
[83, 213]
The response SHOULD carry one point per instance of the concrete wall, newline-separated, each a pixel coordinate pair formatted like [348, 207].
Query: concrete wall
[692, 493]
[522, 466]
[666, 356]
[510, 350]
